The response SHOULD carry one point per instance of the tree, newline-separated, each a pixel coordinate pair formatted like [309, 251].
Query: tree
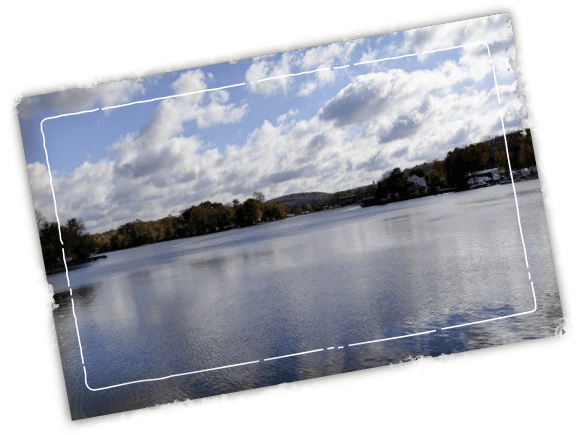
[501, 157]
[249, 212]
[392, 182]
[295, 209]
[259, 196]
[457, 167]
[274, 211]
[51, 246]
[526, 153]
[436, 176]
[77, 244]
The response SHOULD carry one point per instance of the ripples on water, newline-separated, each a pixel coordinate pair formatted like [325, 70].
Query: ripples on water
[311, 282]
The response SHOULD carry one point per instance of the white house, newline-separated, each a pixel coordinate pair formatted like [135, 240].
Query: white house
[417, 185]
[485, 176]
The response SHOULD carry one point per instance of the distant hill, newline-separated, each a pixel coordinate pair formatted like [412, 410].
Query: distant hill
[294, 199]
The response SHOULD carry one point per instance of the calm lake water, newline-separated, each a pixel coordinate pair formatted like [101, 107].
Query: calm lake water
[329, 279]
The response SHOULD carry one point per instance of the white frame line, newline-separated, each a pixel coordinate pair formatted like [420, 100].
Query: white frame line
[164, 377]
[515, 195]
[310, 351]
[77, 330]
[66, 270]
[293, 354]
[392, 338]
[49, 166]
[292, 75]
[387, 58]
[460, 46]
[170, 96]
[496, 87]
[502, 317]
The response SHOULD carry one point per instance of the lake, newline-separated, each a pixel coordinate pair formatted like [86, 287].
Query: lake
[326, 286]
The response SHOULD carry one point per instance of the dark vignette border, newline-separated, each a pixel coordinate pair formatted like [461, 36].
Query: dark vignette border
[64, 422]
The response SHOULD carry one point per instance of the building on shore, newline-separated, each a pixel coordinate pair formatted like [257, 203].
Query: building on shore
[486, 176]
[417, 185]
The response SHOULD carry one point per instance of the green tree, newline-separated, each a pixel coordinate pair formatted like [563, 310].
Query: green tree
[392, 182]
[526, 154]
[249, 212]
[274, 211]
[77, 244]
[51, 246]
[457, 167]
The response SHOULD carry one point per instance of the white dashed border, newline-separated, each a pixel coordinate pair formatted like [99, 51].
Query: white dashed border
[309, 351]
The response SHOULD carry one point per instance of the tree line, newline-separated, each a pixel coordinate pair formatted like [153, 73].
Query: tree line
[451, 173]
[204, 218]
[207, 217]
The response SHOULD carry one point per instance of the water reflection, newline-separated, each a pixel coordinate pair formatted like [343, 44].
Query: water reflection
[312, 282]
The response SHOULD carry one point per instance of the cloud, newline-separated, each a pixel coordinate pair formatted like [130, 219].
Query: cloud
[402, 127]
[360, 101]
[191, 81]
[88, 188]
[280, 177]
[376, 121]
[326, 55]
[369, 55]
[375, 162]
[291, 113]
[310, 59]
[77, 100]
[148, 172]
[493, 30]
[268, 67]
[159, 155]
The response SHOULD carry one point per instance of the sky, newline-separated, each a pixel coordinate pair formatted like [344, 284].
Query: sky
[325, 118]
